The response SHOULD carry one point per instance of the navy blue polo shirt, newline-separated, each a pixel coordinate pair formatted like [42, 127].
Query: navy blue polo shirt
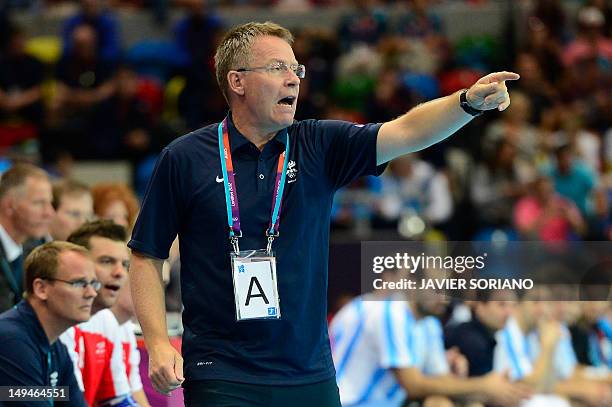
[476, 342]
[186, 196]
[25, 355]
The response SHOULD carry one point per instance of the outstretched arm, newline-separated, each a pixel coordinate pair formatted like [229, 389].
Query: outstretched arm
[436, 120]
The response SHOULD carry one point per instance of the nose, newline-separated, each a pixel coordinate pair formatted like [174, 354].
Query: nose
[49, 211]
[90, 292]
[293, 80]
[119, 271]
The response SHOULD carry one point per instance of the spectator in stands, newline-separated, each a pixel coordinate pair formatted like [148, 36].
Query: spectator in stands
[115, 201]
[73, 204]
[386, 349]
[124, 125]
[364, 24]
[196, 36]
[123, 310]
[25, 211]
[572, 179]
[514, 127]
[497, 184]
[95, 346]
[94, 13]
[544, 215]
[546, 49]
[84, 81]
[21, 76]
[591, 42]
[552, 15]
[585, 144]
[412, 186]
[60, 286]
[418, 22]
[538, 88]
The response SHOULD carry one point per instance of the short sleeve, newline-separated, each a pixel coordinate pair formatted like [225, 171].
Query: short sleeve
[350, 150]
[393, 336]
[114, 381]
[565, 360]
[509, 358]
[435, 363]
[159, 218]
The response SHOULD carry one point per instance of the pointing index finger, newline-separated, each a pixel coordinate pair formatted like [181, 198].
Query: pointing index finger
[501, 76]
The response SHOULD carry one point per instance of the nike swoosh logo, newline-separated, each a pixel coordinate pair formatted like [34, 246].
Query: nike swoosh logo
[219, 179]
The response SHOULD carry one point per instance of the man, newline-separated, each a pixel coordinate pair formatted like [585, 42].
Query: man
[475, 339]
[73, 206]
[60, 287]
[386, 350]
[535, 349]
[286, 360]
[95, 346]
[25, 211]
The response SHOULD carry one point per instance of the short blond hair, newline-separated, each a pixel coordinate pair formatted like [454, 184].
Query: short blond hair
[43, 262]
[235, 48]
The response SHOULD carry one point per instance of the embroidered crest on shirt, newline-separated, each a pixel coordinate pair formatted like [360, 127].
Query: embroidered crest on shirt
[291, 171]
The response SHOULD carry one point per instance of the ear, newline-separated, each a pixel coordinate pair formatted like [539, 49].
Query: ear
[7, 204]
[40, 289]
[235, 83]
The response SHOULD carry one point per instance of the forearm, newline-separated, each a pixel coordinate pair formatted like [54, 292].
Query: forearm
[148, 296]
[542, 378]
[141, 398]
[421, 127]
[449, 386]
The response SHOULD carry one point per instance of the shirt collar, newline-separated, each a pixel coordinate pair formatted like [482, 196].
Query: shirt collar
[29, 316]
[12, 250]
[237, 139]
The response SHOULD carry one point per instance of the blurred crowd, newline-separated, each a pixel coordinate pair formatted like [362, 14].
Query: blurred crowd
[539, 170]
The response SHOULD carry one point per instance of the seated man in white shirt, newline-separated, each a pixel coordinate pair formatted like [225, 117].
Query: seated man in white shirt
[535, 349]
[387, 350]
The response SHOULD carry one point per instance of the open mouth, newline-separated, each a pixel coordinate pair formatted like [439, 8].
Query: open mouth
[289, 101]
[112, 287]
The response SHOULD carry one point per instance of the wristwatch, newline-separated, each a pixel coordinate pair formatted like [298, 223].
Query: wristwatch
[465, 105]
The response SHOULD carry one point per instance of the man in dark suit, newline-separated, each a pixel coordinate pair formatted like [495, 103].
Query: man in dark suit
[25, 211]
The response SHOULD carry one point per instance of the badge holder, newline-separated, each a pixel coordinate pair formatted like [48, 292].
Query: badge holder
[255, 285]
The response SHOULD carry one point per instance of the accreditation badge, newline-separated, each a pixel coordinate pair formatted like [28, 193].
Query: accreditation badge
[255, 286]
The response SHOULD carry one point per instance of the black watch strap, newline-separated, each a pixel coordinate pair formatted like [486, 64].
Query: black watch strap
[466, 106]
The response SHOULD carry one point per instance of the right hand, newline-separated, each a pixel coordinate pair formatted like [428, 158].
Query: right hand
[165, 368]
[550, 333]
[501, 391]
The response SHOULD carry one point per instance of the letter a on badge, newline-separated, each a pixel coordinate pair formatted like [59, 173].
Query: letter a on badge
[259, 289]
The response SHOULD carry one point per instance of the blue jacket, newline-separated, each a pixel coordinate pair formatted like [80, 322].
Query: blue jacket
[27, 358]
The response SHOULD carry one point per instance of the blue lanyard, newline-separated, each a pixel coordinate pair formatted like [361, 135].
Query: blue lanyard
[231, 193]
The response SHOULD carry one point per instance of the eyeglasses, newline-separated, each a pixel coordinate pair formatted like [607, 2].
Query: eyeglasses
[279, 68]
[81, 283]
